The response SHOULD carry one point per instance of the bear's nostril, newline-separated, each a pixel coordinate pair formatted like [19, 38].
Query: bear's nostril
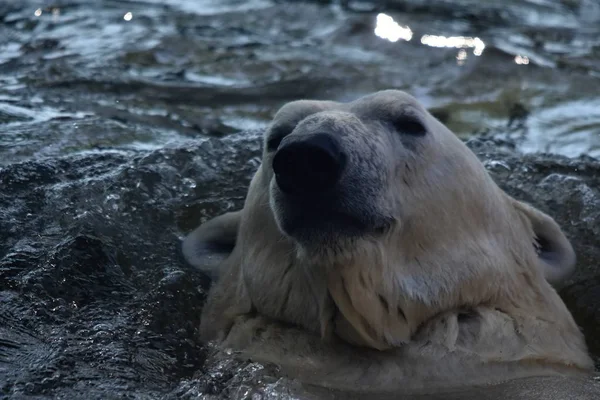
[309, 165]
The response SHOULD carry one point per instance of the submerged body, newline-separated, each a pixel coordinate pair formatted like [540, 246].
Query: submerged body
[375, 254]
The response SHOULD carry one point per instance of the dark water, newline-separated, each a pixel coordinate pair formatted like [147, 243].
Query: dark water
[84, 75]
[119, 129]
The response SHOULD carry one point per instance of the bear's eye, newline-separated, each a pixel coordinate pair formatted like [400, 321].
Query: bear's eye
[273, 142]
[276, 136]
[408, 125]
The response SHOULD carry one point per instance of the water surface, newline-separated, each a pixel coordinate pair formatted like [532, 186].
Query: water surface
[119, 133]
[93, 75]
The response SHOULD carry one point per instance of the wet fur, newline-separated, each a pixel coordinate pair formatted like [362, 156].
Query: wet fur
[456, 292]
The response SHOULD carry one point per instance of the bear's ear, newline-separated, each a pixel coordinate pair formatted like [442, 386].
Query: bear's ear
[207, 246]
[555, 253]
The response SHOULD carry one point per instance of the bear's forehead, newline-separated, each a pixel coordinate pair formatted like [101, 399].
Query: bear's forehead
[382, 99]
[384, 104]
[379, 105]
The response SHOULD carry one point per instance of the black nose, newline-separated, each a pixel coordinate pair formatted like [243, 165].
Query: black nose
[309, 165]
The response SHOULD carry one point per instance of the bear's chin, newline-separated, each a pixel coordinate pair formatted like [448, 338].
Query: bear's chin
[310, 228]
[331, 236]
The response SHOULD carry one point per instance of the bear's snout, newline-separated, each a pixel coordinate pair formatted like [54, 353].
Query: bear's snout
[310, 164]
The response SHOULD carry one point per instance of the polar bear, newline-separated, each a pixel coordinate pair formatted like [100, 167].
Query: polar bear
[374, 253]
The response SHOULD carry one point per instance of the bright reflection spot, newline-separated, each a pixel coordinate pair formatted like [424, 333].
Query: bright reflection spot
[128, 16]
[38, 12]
[522, 60]
[389, 29]
[454, 41]
[461, 56]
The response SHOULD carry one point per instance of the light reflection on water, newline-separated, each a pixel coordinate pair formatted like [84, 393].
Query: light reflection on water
[474, 72]
[212, 7]
[387, 28]
[521, 60]
[570, 128]
[570, 122]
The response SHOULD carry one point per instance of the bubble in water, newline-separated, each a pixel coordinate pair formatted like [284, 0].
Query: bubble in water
[495, 164]
[172, 278]
[189, 183]
[111, 200]
[81, 214]
[101, 327]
